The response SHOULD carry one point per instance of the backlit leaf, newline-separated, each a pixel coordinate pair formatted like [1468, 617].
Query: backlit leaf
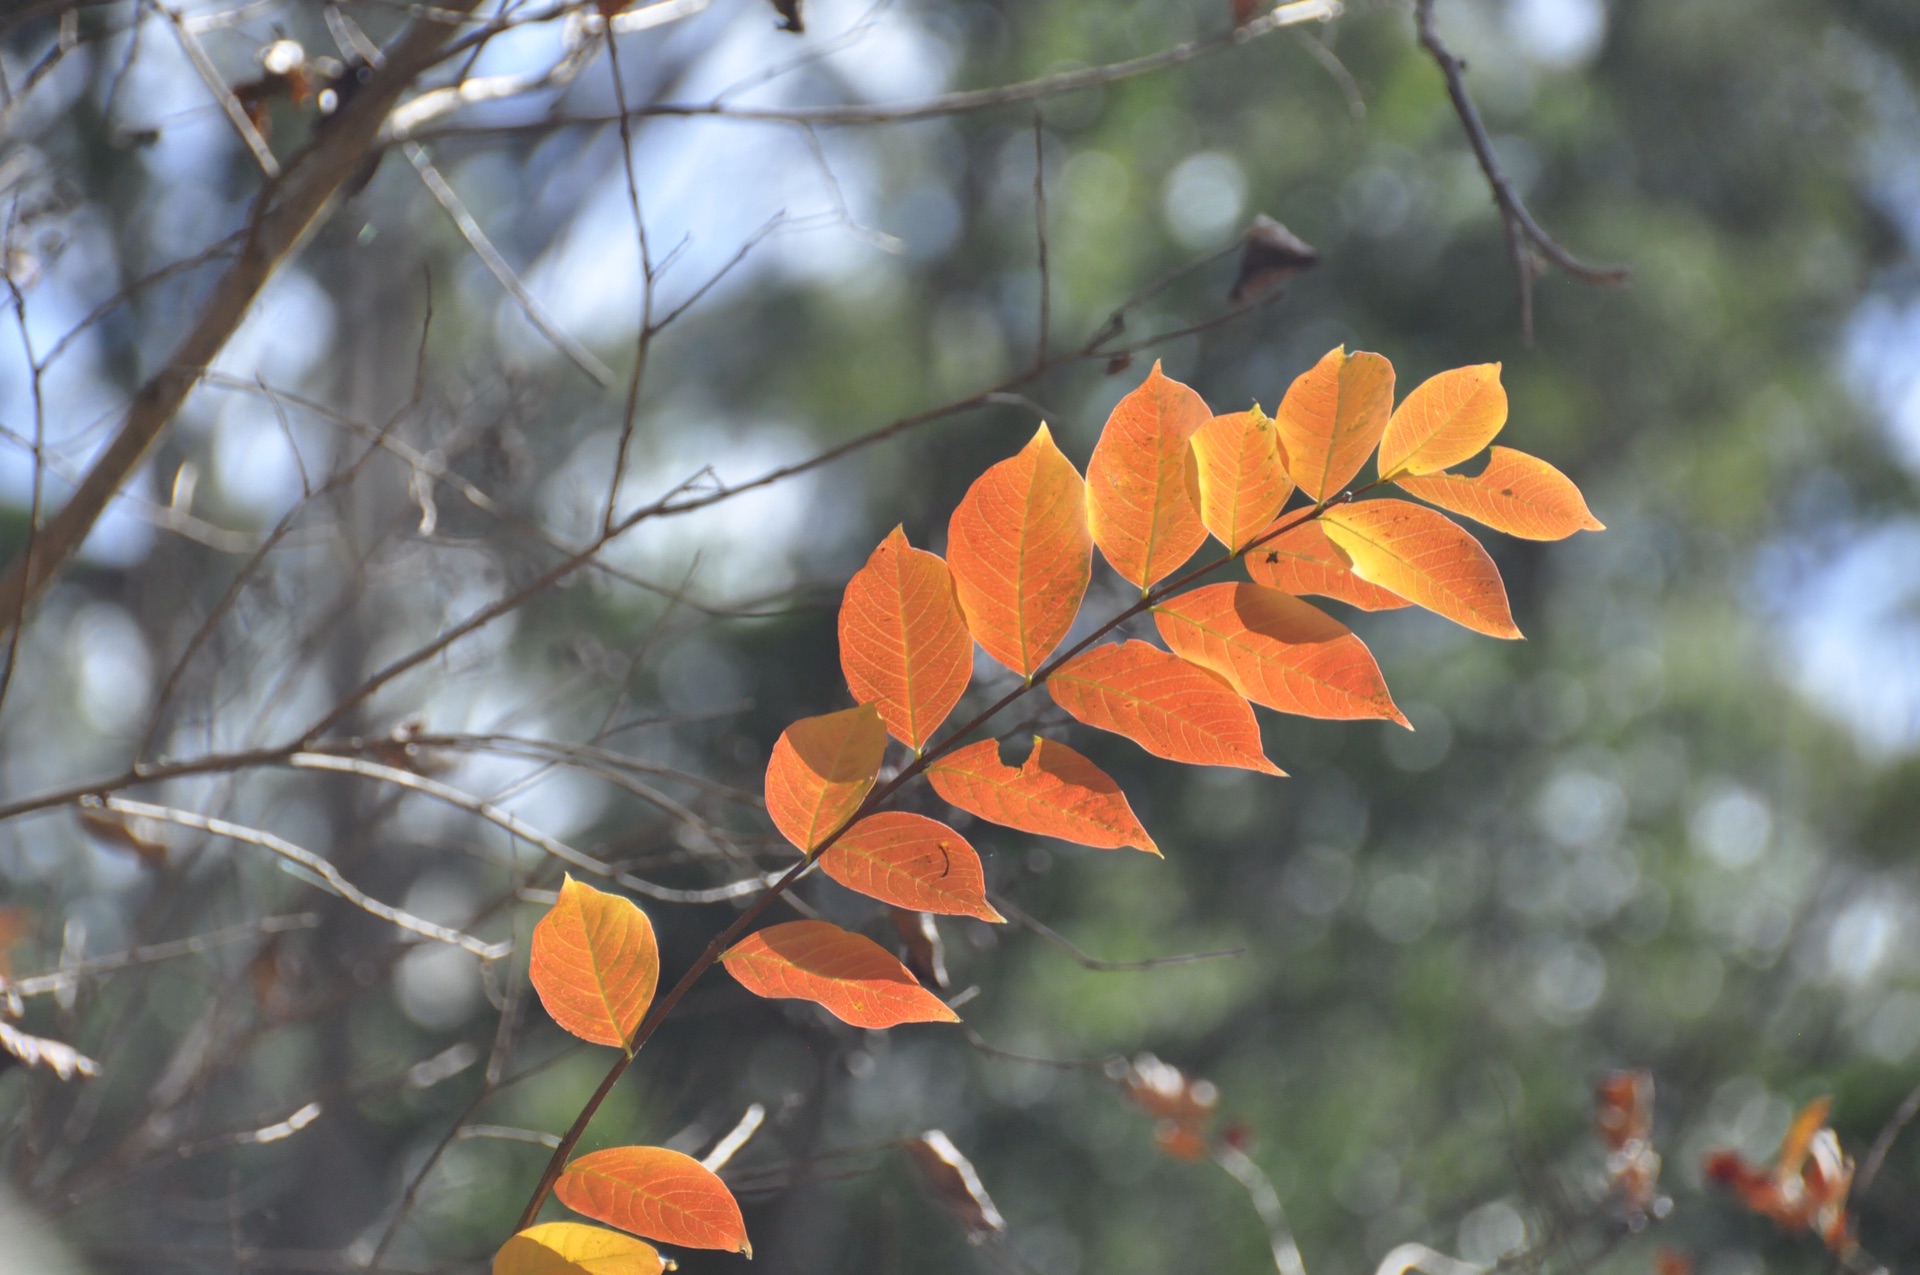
[1332, 418]
[1055, 793]
[1447, 419]
[656, 1193]
[904, 645]
[912, 862]
[1303, 561]
[1516, 493]
[568, 1248]
[1021, 555]
[1426, 558]
[594, 963]
[1169, 707]
[821, 769]
[1243, 477]
[1277, 650]
[1143, 499]
[849, 975]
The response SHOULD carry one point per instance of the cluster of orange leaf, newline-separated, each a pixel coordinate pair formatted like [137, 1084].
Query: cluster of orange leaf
[1165, 473]
[1805, 1189]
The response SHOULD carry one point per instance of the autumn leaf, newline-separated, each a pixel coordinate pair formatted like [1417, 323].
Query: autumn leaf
[1169, 707]
[655, 1193]
[1425, 558]
[912, 862]
[1301, 560]
[850, 976]
[1055, 793]
[1807, 1186]
[568, 1248]
[1516, 493]
[1332, 418]
[594, 963]
[952, 1179]
[1143, 498]
[1447, 419]
[1242, 475]
[904, 645]
[1021, 555]
[821, 770]
[1277, 651]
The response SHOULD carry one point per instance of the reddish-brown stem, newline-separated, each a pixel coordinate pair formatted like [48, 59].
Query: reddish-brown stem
[664, 1005]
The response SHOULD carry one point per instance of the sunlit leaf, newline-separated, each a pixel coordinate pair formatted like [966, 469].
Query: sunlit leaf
[57, 1056]
[821, 769]
[655, 1193]
[1425, 558]
[1277, 651]
[1447, 419]
[1055, 793]
[849, 975]
[1243, 476]
[1332, 418]
[954, 1182]
[1302, 560]
[904, 644]
[1143, 499]
[1021, 555]
[568, 1248]
[912, 862]
[594, 963]
[1171, 708]
[1516, 493]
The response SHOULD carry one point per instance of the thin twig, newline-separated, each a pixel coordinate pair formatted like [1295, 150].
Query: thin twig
[1521, 230]
[210, 75]
[313, 863]
[1040, 234]
[1877, 1156]
[93, 967]
[1067, 945]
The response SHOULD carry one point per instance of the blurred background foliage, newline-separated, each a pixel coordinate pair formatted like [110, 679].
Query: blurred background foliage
[1675, 829]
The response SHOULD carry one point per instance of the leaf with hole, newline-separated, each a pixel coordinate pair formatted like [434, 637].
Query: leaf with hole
[594, 963]
[1332, 418]
[821, 770]
[657, 1194]
[1021, 555]
[1242, 474]
[1516, 493]
[1055, 793]
[1277, 651]
[1168, 706]
[1143, 495]
[849, 975]
[568, 1248]
[1447, 419]
[1425, 558]
[904, 645]
[912, 862]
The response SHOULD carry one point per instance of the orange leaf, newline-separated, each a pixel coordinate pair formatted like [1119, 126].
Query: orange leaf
[1143, 497]
[1169, 707]
[1277, 650]
[1055, 793]
[1021, 555]
[850, 976]
[1243, 479]
[594, 963]
[656, 1193]
[1793, 1147]
[568, 1248]
[1425, 558]
[1447, 419]
[904, 645]
[1516, 493]
[912, 862]
[1332, 418]
[1303, 560]
[821, 770]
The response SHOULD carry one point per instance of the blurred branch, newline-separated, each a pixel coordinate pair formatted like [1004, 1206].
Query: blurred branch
[67, 976]
[1095, 963]
[328, 875]
[287, 210]
[1877, 1156]
[1523, 233]
[1418, 1257]
[1266, 1202]
[217, 85]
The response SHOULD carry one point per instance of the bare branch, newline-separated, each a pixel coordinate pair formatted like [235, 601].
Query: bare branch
[1095, 963]
[69, 975]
